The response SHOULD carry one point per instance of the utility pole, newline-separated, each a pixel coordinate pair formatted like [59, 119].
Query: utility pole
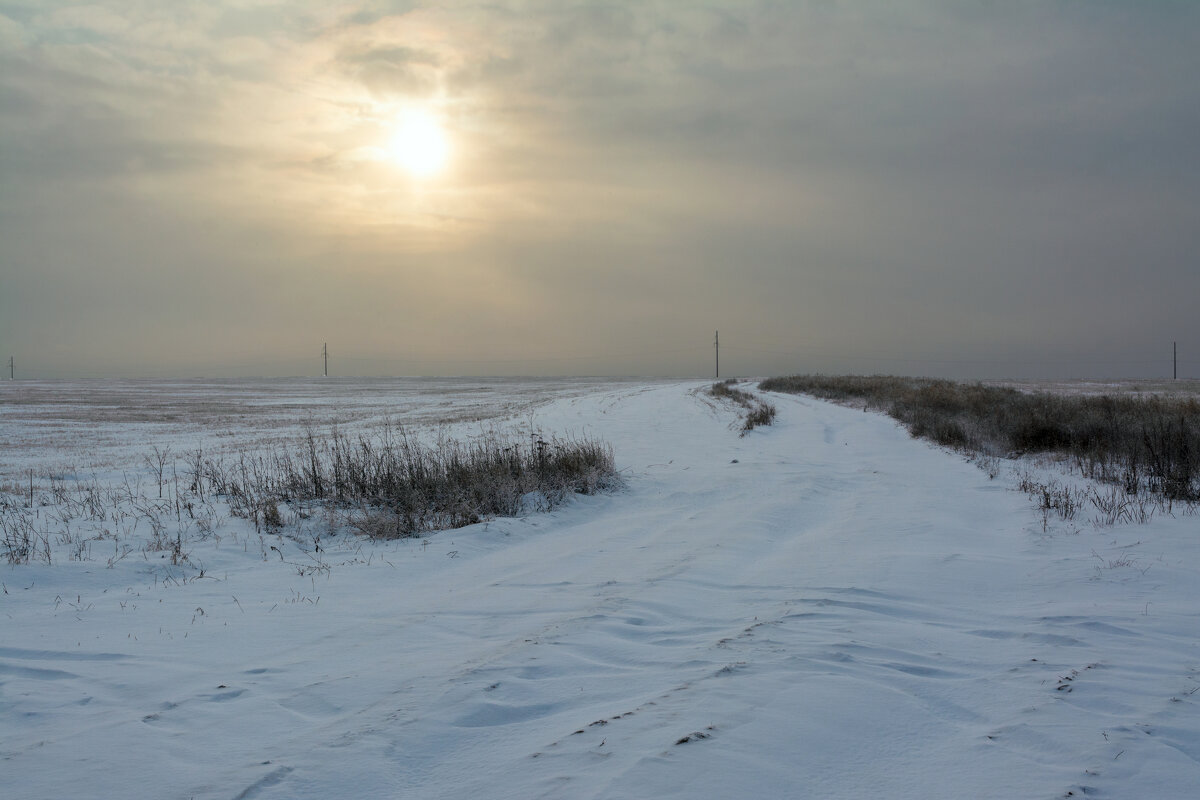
[10, 368]
[717, 347]
[1174, 361]
[325, 352]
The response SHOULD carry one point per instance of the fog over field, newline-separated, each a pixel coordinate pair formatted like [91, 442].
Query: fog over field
[563, 188]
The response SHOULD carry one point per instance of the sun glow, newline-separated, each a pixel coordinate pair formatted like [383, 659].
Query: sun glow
[419, 144]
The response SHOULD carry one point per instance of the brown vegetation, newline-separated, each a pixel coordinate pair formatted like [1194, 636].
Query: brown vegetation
[402, 487]
[1137, 443]
[758, 412]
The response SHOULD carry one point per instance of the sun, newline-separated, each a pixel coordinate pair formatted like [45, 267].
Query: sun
[419, 144]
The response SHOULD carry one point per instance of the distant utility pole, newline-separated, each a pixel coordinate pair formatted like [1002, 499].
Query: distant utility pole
[325, 352]
[717, 347]
[1174, 361]
[10, 368]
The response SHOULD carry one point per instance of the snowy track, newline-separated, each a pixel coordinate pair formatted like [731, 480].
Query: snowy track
[843, 612]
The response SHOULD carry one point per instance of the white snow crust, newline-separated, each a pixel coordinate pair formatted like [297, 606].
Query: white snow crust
[825, 608]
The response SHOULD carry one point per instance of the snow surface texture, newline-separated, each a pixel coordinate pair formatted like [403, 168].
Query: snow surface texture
[823, 608]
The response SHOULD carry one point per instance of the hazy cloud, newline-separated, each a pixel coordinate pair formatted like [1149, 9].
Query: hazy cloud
[391, 70]
[940, 187]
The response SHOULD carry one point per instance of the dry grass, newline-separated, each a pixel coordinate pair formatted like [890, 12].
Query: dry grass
[400, 487]
[1138, 443]
[388, 485]
[757, 412]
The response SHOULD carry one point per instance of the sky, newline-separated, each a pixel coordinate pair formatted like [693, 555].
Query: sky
[964, 189]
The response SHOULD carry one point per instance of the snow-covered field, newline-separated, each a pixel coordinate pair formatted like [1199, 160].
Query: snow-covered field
[822, 608]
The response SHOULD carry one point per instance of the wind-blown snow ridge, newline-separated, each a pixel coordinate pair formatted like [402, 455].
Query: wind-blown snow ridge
[843, 612]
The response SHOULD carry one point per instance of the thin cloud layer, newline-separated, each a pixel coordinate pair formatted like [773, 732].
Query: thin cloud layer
[944, 188]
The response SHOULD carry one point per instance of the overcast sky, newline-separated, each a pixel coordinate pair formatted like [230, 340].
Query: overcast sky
[970, 189]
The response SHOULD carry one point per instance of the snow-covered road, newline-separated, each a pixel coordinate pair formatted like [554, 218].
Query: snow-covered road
[823, 608]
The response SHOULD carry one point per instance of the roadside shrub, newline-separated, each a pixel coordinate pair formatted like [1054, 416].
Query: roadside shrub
[761, 414]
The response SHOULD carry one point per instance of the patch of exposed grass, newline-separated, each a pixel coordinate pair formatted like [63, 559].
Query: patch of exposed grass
[757, 411]
[1137, 443]
[385, 486]
[397, 486]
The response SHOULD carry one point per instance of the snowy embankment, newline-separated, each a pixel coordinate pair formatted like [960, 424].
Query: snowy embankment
[822, 608]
